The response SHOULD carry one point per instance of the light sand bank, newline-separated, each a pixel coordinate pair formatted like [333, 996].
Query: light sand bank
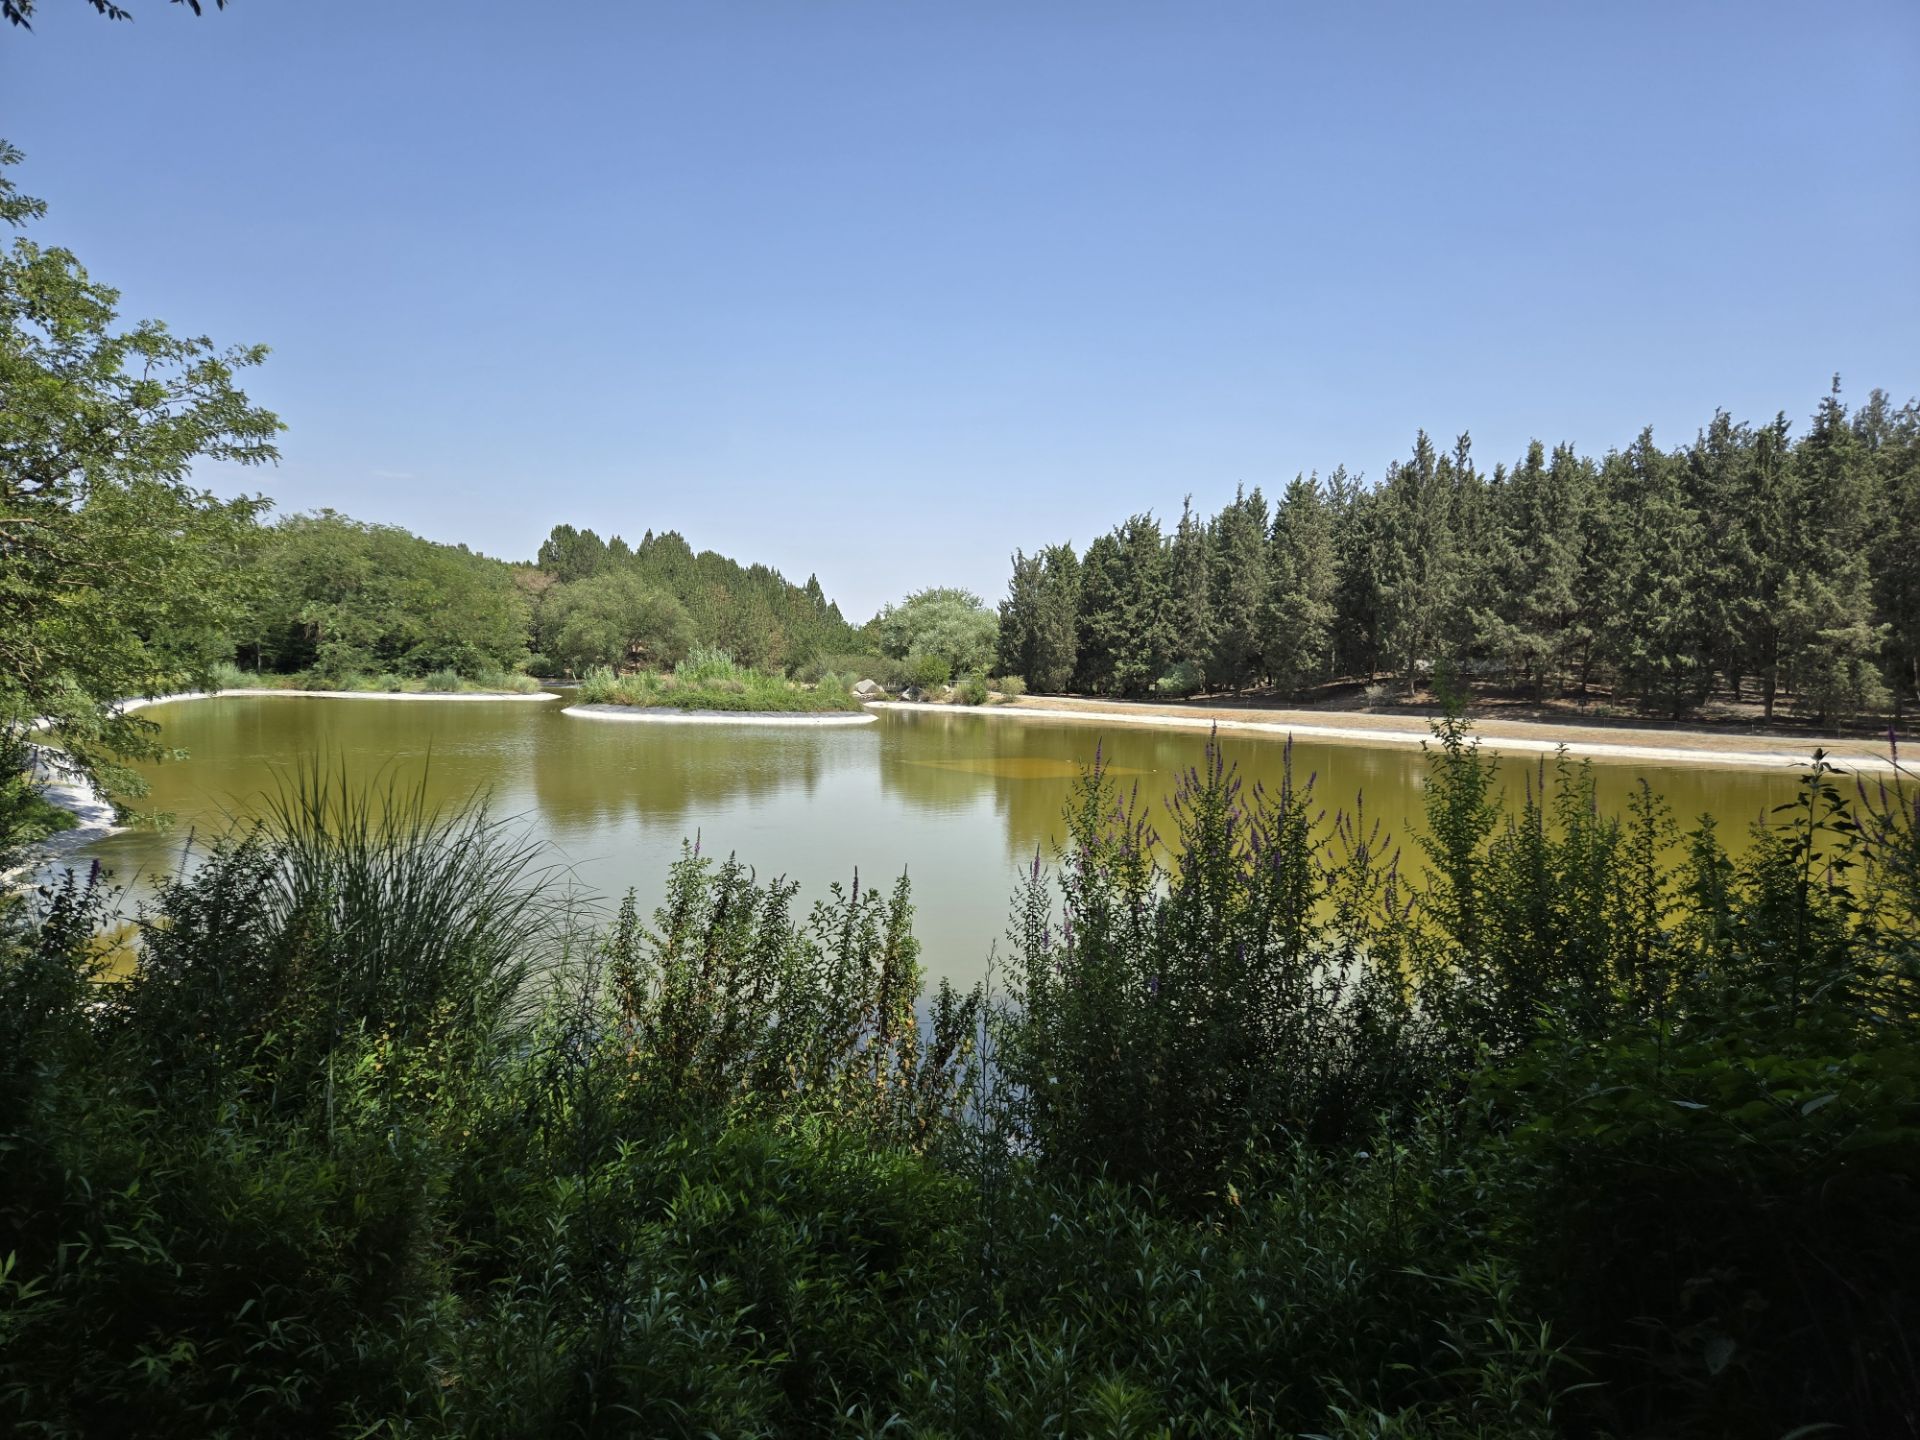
[1640, 747]
[661, 715]
[129, 706]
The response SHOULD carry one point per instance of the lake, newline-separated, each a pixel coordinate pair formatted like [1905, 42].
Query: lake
[958, 799]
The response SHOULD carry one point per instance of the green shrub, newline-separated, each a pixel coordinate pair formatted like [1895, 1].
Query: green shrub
[511, 683]
[445, 680]
[1010, 686]
[705, 665]
[971, 690]
[710, 685]
[1184, 679]
[924, 672]
[882, 670]
[225, 675]
[1165, 1019]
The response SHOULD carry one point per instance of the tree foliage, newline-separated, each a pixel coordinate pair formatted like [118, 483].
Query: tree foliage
[121, 577]
[750, 611]
[614, 619]
[339, 597]
[1750, 555]
[20, 12]
[951, 625]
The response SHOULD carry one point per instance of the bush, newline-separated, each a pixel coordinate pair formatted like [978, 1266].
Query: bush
[884, 671]
[1182, 680]
[1011, 687]
[443, 680]
[508, 683]
[709, 684]
[971, 690]
[924, 672]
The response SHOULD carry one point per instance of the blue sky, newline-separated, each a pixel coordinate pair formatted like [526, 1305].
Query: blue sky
[883, 290]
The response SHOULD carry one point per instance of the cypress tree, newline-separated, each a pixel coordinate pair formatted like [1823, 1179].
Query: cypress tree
[1189, 601]
[1237, 586]
[1297, 616]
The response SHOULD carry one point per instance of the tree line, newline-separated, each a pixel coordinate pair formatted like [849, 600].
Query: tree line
[333, 597]
[1754, 562]
[605, 602]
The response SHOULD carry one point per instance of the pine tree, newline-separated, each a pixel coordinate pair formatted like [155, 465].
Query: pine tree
[1531, 620]
[1038, 639]
[1297, 616]
[1830, 645]
[1101, 622]
[1655, 633]
[1237, 586]
[1189, 602]
[1055, 642]
[1890, 439]
[1418, 565]
[1145, 642]
[1357, 593]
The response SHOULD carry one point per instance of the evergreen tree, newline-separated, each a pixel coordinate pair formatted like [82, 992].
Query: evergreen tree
[1038, 619]
[1471, 584]
[1532, 617]
[1746, 487]
[1100, 616]
[1830, 645]
[1890, 439]
[1146, 645]
[1297, 617]
[569, 554]
[1125, 638]
[1190, 601]
[1418, 563]
[1655, 632]
[1057, 634]
[1357, 583]
[1237, 587]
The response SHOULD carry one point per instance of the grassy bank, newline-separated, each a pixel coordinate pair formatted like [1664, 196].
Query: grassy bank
[439, 682]
[710, 680]
[1506, 1127]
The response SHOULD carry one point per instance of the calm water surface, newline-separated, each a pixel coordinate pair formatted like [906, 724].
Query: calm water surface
[958, 800]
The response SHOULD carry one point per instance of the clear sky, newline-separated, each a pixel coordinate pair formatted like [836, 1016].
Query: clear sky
[883, 290]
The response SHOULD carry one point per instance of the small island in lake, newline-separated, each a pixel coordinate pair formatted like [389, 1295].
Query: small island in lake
[711, 683]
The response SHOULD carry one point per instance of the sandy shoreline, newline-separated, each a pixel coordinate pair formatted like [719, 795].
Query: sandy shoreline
[129, 706]
[1622, 746]
[661, 715]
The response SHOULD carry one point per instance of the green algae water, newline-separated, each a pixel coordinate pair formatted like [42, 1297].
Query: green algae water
[959, 800]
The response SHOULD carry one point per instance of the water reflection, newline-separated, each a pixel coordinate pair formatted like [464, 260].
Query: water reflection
[961, 800]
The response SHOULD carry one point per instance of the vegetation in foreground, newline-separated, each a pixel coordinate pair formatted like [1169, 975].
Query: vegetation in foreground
[710, 680]
[1516, 1129]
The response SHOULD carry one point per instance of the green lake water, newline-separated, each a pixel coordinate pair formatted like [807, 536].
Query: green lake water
[959, 800]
